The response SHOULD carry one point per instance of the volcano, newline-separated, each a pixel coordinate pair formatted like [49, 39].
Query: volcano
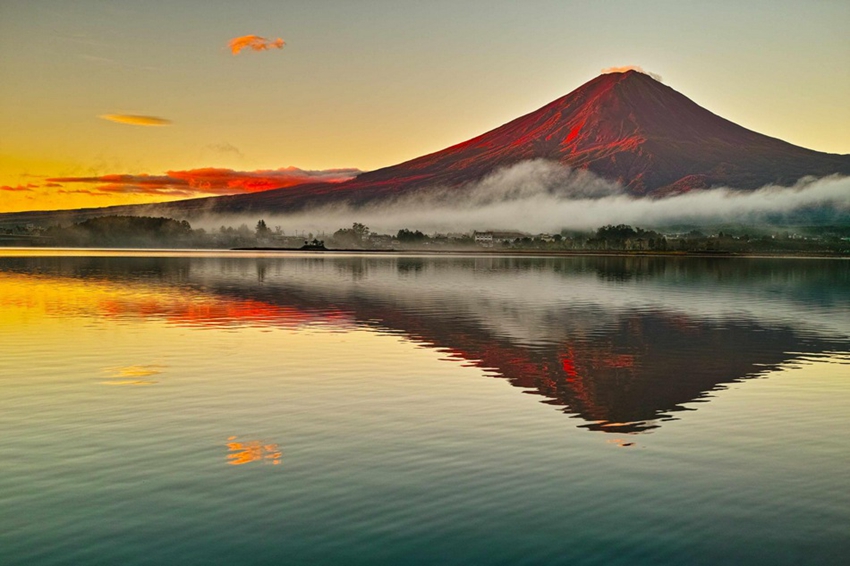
[625, 127]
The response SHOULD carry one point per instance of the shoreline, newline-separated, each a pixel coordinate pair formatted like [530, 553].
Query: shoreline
[558, 253]
[81, 251]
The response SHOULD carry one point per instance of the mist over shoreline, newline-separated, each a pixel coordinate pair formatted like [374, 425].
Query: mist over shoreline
[540, 196]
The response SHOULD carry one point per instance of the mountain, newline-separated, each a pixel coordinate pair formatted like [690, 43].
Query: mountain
[626, 127]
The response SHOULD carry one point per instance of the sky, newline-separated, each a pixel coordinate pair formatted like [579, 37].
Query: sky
[107, 102]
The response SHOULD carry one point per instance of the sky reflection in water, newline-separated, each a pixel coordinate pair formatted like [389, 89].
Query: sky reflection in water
[375, 409]
[623, 343]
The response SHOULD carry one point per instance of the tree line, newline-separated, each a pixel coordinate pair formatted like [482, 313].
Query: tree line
[145, 232]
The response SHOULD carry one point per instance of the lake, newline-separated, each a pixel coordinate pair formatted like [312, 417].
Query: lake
[238, 408]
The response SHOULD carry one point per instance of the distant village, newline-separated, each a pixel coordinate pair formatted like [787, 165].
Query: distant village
[147, 232]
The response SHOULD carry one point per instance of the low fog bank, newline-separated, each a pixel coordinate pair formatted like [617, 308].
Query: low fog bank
[544, 197]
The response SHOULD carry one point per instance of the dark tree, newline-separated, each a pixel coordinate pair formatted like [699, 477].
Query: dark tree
[262, 230]
[407, 236]
[360, 231]
[618, 232]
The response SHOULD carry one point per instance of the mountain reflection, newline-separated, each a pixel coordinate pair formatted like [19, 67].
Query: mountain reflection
[621, 343]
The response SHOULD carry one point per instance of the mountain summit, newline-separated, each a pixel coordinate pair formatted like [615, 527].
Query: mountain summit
[626, 127]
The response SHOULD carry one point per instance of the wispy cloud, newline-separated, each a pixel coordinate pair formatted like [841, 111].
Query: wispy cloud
[254, 42]
[81, 192]
[209, 181]
[19, 188]
[98, 59]
[135, 120]
[224, 148]
[637, 68]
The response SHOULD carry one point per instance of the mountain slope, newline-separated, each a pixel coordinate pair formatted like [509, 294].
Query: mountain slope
[626, 127]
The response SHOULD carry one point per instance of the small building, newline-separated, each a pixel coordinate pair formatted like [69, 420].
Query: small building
[483, 238]
[491, 237]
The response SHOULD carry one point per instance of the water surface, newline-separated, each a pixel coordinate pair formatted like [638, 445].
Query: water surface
[162, 407]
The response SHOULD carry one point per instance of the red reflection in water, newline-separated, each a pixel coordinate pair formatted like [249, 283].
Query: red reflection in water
[60, 297]
[214, 312]
[569, 366]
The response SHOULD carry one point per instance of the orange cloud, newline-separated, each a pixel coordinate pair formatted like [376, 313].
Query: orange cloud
[80, 192]
[209, 181]
[254, 42]
[17, 188]
[134, 120]
[630, 68]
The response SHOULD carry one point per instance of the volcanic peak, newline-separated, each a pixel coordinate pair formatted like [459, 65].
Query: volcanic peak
[624, 126]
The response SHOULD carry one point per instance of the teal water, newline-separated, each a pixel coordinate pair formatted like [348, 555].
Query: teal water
[194, 408]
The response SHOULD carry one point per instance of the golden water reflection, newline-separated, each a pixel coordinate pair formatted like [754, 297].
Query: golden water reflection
[245, 452]
[57, 298]
[132, 375]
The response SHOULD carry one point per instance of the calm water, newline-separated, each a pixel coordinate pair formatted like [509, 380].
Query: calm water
[264, 409]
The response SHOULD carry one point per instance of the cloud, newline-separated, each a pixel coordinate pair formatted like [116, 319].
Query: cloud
[543, 196]
[224, 149]
[80, 192]
[97, 59]
[209, 181]
[19, 188]
[254, 42]
[134, 120]
[655, 76]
